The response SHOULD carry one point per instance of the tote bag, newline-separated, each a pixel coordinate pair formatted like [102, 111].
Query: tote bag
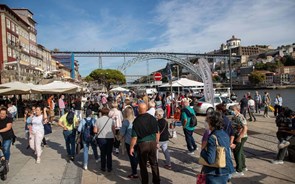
[220, 157]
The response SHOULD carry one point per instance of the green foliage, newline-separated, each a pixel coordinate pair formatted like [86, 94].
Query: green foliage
[268, 66]
[288, 61]
[108, 77]
[88, 78]
[256, 77]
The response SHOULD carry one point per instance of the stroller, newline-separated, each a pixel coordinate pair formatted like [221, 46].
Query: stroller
[3, 164]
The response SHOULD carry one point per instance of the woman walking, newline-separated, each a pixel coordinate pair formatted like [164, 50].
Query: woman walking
[125, 132]
[37, 132]
[117, 116]
[214, 174]
[68, 122]
[266, 103]
[105, 129]
[86, 128]
[164, 137]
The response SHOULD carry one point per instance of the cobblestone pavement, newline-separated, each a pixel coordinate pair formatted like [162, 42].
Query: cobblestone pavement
[260, 148]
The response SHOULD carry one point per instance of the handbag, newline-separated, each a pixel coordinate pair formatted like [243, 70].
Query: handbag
[47, 128]
[201, 178]
[220, 157]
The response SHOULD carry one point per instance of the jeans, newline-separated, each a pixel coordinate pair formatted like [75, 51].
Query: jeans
[216, 179]
[106, 148]
[164, 147]
[35, 141]
[133, 159]
[147, 151]
[70, 136]
[257, 106]
[281, 137]
[278, 109]
[191, 145]
[239, 155]
[6, 148]
[86, 149]
[117, 142]
[62, 111]
[243, 111]
[251, 114]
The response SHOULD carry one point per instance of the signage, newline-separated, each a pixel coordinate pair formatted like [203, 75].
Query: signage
[157, 76]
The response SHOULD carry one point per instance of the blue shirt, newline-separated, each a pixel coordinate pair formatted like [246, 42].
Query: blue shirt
[83, 122]
[126, 130]
[209, 154]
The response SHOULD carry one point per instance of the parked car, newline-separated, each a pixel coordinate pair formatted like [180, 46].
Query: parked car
[203, 107]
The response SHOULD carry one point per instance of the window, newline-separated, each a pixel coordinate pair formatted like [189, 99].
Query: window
[12, 27]
[217, 100]
[8, 23]
[14, 53]
[8, 38]
[16, 29]
[9, 52]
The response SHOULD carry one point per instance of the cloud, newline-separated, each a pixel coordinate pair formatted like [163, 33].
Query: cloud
[173, 26]
[202, 26]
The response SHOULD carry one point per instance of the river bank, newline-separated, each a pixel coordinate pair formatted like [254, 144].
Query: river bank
[249, 87]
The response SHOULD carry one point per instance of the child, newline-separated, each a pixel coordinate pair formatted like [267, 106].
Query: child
[28, 124]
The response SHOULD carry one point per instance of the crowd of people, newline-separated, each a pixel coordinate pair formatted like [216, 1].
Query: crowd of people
[138, 125]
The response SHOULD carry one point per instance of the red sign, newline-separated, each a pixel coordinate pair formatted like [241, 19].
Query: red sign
[157, 76]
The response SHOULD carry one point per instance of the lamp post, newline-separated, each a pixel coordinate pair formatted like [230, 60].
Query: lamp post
[230, 72]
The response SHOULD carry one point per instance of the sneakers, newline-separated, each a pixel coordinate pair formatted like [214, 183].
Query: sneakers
[85, 167]
[117, 150]
[97, 160]
[238, 174]
[245, 169]
[38, 161]
[277, 162]
[191, 152]
[168, 167]
[283, 144]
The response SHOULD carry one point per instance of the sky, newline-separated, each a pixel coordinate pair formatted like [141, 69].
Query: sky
[196, 26]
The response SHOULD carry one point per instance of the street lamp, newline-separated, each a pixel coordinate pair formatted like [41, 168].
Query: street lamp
[230, 72]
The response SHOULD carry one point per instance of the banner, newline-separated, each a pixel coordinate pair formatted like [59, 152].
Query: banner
[169, 72]
[206, 75]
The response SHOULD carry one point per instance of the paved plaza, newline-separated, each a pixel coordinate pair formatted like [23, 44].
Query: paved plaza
[260, 148]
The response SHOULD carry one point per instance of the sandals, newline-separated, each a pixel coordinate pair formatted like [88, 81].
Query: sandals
[132, 176]
[168, 167]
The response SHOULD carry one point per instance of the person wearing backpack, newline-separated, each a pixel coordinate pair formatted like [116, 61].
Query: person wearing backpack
[68, 122]
[86, 128]
[187, 116]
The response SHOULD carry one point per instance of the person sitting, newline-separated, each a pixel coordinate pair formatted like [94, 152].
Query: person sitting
[286, 127]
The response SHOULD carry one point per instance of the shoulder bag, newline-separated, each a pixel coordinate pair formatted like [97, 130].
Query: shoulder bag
[220, 157]
[100, 130]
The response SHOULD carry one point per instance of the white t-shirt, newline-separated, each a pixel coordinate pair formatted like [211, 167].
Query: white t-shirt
[251, 102]
[106, 132]
[152, 111]
[37, 124]
[117, 116]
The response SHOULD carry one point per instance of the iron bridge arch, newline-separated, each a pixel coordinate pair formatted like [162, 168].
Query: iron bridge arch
[194, 69]
[201, 69]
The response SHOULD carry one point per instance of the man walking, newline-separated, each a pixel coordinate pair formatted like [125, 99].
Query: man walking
[240, 127]
[278, 104]
[258, 101]
[188, 130]
[61, 105]
[145, 132]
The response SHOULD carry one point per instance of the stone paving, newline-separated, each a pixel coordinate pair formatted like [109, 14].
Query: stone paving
[260, 149]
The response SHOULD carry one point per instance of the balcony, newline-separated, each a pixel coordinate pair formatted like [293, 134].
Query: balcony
[33, 30]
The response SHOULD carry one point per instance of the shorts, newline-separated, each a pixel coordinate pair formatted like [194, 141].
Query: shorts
[51, 113]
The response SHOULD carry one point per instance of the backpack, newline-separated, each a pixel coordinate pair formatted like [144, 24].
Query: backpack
[87, 132]
[193, 119]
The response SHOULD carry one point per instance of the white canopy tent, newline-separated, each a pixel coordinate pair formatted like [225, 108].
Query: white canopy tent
[57, 87]
[184, 82]
[119, 89]
[16, 88]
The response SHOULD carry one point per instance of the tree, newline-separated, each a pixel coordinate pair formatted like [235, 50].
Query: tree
[256, 77]
[108, 77]
[88, 79]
